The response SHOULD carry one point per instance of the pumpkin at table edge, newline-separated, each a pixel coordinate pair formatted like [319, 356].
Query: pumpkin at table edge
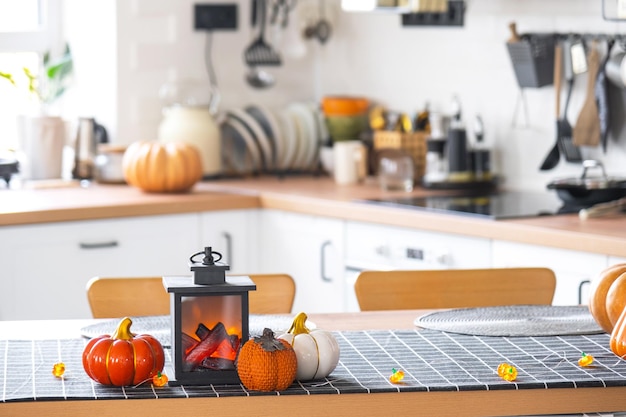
[317, 350]
[607, 303]
[123, 358]
[618, 336]
[162, 167]
[265, 363]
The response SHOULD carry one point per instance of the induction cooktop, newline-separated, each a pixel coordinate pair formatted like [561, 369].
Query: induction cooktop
[497, 205]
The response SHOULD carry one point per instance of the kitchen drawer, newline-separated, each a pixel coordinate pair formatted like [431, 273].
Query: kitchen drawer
[46, 267]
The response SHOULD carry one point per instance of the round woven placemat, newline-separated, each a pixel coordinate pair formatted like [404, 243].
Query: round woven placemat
[523, 320]
[161, 326]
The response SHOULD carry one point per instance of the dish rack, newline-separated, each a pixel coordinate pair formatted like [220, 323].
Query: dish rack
[413, 143]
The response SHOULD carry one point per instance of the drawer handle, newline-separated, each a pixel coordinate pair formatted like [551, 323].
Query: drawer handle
[323, 261]
[229, 247]
[99, 245]
[580, 290]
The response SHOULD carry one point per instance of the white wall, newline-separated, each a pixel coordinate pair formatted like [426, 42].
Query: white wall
[90, 29]
[370, 55]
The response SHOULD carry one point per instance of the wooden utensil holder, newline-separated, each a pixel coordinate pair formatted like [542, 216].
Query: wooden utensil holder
[413, 143]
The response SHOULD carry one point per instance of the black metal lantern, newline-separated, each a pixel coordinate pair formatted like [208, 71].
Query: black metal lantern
[210, 321]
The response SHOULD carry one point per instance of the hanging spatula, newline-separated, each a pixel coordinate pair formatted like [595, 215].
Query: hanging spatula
[573, 65]
[261, 53]
[587, 128]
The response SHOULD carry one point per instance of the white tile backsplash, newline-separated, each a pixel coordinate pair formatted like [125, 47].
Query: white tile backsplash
[155, 30]
[147, 8]
[374, 56]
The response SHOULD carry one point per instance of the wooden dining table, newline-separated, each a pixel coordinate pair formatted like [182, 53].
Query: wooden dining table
[384, 329]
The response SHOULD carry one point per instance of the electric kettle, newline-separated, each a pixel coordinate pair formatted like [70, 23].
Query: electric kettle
[88, 136]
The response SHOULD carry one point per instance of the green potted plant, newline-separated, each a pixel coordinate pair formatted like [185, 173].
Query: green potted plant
[52, 83]
[41, 137]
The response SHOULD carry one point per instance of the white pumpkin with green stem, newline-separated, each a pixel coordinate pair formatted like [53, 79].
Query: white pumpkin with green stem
[317, 350]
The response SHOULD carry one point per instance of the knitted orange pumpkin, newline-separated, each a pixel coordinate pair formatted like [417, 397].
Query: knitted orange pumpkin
[161, 168]
[266, 363]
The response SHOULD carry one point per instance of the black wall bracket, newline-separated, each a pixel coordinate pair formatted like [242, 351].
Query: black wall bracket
[453, 17]
[215, 16]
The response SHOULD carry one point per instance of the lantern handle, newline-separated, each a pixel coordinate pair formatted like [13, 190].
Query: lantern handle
[208, 256]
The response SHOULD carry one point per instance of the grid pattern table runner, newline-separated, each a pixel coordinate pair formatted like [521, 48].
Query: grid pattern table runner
[431, 360]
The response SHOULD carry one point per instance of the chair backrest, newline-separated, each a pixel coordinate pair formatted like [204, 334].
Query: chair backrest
[454, 288]
[112, 297]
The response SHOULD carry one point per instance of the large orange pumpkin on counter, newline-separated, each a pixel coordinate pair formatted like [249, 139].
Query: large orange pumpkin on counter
[607, 298]
[123, 358]
[162, 167]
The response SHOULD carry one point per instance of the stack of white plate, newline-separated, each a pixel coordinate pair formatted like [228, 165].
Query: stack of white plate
[257, 139]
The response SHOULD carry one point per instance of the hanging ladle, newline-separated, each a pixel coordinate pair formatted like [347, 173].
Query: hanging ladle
[259, 78]
[256, 77]
[320, 29]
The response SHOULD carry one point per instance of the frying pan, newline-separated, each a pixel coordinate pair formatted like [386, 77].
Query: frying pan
[588, 190]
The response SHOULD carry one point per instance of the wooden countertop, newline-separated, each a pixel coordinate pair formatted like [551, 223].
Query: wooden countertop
[307, 195]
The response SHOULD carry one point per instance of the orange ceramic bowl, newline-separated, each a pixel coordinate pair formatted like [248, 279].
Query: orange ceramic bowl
[344, 105]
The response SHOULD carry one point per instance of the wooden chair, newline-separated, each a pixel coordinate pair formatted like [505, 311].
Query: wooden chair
[146, 296]
[454, 288]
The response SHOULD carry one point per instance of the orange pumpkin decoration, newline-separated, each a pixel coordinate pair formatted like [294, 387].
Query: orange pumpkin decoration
[618, 336]
[162, 167]
[124, 358]
[266, 363]
[607, 297]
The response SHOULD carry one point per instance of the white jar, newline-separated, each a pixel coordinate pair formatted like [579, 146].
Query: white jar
[109, 168]
[196, 126]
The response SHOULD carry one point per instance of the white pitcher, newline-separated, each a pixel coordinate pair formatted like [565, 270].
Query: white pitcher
[196, 126]
[41, 142]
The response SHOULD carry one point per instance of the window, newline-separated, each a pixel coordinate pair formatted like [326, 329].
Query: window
[20, 16]
[28, 28]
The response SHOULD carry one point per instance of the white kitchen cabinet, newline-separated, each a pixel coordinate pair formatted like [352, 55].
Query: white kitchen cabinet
[379, 247]
[310, 249]
[46, 267]
[233, 233]
[573, 269]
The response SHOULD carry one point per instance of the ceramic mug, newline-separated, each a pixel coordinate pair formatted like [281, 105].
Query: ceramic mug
[349, 162]
[616, 69]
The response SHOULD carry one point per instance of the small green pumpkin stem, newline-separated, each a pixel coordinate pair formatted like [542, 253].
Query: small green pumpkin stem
[123, 330]
[299, 325]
